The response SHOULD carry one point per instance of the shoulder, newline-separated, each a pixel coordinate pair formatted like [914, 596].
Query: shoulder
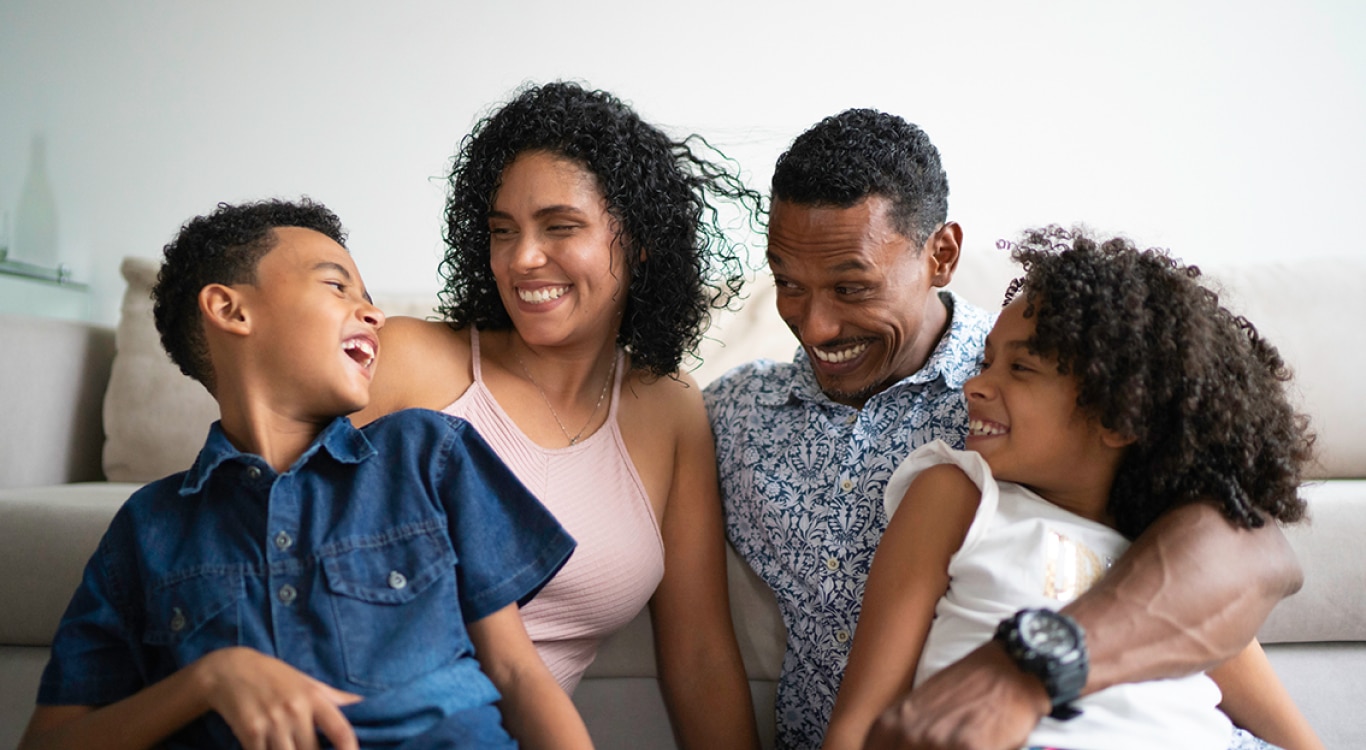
[937, 468]
[749, 381]
[422, 363]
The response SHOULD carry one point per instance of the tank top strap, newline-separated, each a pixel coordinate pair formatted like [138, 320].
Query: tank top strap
[474, 354]
[618, 376]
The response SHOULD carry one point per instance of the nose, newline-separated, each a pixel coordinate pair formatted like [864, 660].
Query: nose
[815, 320]
[527, 253]
[371, 314]
[977, 387]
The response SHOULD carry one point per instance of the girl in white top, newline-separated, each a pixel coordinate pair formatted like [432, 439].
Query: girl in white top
[1112, 389]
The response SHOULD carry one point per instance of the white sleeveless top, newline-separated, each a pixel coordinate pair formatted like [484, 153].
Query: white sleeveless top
[1023, 551]
[593, 490]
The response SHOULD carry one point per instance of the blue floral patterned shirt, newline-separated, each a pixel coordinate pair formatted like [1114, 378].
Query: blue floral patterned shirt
[802, 479]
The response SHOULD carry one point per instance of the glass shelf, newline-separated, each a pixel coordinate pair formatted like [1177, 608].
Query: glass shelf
[59, 276]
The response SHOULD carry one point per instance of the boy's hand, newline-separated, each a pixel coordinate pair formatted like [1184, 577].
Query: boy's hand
[272, 706]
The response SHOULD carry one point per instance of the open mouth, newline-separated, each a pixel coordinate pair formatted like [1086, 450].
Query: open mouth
[361, 350]
[542, 295]
[841, 355]
[985, 428]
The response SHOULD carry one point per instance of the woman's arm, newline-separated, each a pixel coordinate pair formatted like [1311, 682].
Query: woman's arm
[266, 702]
[537, 711]
[909, 575]
[1190, 593]
[701, 672]
[1255, 700]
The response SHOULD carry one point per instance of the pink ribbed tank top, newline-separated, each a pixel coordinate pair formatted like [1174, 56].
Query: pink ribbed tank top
[593, 489]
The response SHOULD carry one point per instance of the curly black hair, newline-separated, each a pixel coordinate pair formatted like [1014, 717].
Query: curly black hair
[223, 247]
[858, 153]
[1157, 359]
[661, 193]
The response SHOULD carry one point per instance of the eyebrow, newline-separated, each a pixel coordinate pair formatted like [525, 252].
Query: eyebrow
[559, 208]
[841, 267]
[328, 265]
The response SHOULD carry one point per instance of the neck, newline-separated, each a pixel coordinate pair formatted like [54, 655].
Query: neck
[254, 425]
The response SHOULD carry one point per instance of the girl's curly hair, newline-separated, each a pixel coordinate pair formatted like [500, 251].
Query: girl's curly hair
[660, 191]
[1156, 358]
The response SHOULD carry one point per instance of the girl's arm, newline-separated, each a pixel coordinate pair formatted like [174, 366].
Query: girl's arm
[537, 711]
[266, 702]
[909, 575]
[701, 672]
[1255, 700]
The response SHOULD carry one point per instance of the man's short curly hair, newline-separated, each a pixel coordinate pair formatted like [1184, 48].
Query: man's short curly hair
[660, 192]
[1156, 358]
[859, 153]
[223, 247]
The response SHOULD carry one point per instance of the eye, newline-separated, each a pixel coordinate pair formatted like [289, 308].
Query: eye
[849, 290]
[562, 228]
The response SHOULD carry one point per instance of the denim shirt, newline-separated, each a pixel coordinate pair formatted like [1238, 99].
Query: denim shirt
[802, 478]
[360, 566]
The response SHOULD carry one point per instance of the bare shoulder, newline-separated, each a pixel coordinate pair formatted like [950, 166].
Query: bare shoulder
[673, 401]
[422, 363]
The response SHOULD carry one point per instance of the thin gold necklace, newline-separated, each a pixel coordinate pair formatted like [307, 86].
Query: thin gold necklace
[601, 396]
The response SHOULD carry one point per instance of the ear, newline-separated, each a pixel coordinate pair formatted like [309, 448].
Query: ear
[943, 249]
[223, 308]
[1113, 439]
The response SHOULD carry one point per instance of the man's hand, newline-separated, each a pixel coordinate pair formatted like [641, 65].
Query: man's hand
[272, 706]
[981, 702]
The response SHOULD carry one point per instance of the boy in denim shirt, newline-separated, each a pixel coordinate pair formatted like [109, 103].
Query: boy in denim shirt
[305, 578]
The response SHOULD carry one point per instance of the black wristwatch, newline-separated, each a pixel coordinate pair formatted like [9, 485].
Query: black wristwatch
[1051, 646]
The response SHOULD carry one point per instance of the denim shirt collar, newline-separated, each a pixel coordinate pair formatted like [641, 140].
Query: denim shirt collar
[340, 439]
[947, 361]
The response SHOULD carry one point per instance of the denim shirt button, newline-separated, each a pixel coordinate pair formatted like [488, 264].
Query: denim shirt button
[178, 620]
[253, 472]
[287, 594]
[397, 580]
[283, 541]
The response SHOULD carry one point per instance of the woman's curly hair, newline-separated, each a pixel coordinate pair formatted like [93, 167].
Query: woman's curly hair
[1157, 359]
[660, 192]
[223, 247]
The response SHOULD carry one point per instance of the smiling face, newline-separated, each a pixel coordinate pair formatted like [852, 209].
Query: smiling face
[313, 329]
[553, 249]
[1024, 420]
[859, 295]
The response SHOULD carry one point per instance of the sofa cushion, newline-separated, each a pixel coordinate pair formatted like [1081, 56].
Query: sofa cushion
[155, 418]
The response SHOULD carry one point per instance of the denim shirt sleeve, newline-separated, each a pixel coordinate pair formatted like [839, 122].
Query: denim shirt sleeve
[507, 544]
[95, 659]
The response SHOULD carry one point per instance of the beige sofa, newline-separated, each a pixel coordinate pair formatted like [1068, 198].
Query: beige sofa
[88, 413]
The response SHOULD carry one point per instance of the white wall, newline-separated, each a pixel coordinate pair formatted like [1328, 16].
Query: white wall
[1220, 129]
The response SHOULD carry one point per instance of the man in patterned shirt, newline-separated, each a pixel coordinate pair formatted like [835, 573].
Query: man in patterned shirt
[860, 249]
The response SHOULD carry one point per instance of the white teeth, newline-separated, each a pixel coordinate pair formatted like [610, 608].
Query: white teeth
[544, 294]
[366, 349]
[981, 428]
[840, 355]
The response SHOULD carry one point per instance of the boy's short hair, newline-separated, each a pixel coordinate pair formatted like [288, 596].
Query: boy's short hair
[223, 247]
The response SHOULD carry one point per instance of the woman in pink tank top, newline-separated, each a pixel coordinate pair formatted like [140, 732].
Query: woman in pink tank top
[584, 255]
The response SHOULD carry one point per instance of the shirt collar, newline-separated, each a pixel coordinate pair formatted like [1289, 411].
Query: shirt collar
[340, 439]
[955, 358]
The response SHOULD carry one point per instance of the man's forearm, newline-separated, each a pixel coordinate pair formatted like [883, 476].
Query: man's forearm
[1191, 592]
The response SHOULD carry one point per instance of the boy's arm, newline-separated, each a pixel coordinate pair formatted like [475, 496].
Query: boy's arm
[267, 703]
[701, 671]
[1255, 700]
[537, 711]
[1190, 593]
[909, 575]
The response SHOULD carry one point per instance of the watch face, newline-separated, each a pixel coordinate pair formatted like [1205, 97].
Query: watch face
[1047, 634]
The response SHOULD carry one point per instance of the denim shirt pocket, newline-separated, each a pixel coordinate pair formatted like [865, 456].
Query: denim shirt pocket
[395, 605]
[190, 614]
